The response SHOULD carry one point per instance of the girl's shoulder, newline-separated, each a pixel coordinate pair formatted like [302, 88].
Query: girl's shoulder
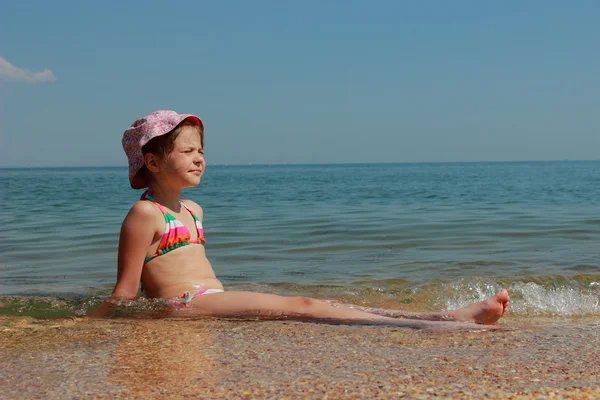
[143, 222]
[145, 211]
[144, 208]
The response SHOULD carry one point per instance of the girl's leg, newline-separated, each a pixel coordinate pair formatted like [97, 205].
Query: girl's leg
[268, 306]
[485, 312]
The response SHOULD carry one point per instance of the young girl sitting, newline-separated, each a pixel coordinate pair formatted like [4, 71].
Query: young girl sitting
[162, 243]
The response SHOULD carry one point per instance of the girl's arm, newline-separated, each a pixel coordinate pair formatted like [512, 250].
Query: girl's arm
[137, 233]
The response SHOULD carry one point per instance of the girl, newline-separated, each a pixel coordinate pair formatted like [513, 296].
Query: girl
[162, 243]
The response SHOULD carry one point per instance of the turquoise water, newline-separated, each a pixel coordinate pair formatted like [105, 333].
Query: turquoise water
[461, 229]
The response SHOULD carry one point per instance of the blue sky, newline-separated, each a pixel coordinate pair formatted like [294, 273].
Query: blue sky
[303, 81]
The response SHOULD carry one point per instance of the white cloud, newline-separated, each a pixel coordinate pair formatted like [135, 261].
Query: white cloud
[12, 73]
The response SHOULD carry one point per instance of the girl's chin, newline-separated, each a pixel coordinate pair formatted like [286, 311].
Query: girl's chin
[193, 182]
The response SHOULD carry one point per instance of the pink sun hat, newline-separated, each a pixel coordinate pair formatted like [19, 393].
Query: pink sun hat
[142, 131]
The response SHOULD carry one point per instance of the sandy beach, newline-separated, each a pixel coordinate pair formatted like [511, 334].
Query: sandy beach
[127, 358]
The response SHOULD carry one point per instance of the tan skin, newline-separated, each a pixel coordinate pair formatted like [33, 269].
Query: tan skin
[188, 269]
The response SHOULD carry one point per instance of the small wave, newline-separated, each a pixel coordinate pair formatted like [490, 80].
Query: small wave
[555, 296]
[52, 307]
[534, 296]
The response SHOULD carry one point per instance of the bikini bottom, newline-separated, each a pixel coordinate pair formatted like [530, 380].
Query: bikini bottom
[183, 301]
[187, 297]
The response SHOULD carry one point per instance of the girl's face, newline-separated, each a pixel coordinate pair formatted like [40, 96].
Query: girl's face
[185, 165]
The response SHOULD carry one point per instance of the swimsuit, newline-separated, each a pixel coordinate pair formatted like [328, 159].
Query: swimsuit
[176, 234]
[182, 302]
[187, 298]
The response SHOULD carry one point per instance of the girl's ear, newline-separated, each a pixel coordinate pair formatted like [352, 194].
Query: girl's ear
[151, 162]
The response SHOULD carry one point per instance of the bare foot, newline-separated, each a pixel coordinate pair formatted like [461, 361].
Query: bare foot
[485, 312]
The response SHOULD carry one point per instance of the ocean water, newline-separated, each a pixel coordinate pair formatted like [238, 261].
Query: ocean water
[436, 235]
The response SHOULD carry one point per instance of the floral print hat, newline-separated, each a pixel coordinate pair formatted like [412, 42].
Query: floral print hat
[142, 131]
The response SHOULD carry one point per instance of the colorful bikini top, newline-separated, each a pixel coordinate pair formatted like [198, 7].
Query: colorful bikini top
[176, 234]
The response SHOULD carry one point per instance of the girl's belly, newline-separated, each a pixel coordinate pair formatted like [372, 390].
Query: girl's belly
[185, 269]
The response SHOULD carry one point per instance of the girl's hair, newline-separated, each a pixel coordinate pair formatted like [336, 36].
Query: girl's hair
[163, 145]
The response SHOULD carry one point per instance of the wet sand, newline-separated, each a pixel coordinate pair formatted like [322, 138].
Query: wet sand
[127, 358]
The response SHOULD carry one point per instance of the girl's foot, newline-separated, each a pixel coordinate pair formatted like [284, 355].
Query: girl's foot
[485, 312]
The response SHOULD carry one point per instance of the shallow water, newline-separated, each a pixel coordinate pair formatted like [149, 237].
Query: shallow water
[432, 236]
[533, 358]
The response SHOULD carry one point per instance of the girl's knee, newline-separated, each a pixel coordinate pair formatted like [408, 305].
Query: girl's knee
[303, 305]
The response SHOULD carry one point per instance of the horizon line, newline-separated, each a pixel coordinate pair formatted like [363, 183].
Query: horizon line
[316, 164]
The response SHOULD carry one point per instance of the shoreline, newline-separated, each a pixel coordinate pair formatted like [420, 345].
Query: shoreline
[214, 358]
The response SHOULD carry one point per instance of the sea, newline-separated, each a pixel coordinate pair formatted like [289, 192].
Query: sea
[432, 236]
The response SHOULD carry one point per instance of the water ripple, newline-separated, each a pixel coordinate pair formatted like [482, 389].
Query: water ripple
[418, 222]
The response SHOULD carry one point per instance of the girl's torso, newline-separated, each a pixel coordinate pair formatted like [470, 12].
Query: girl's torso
[176, 261]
